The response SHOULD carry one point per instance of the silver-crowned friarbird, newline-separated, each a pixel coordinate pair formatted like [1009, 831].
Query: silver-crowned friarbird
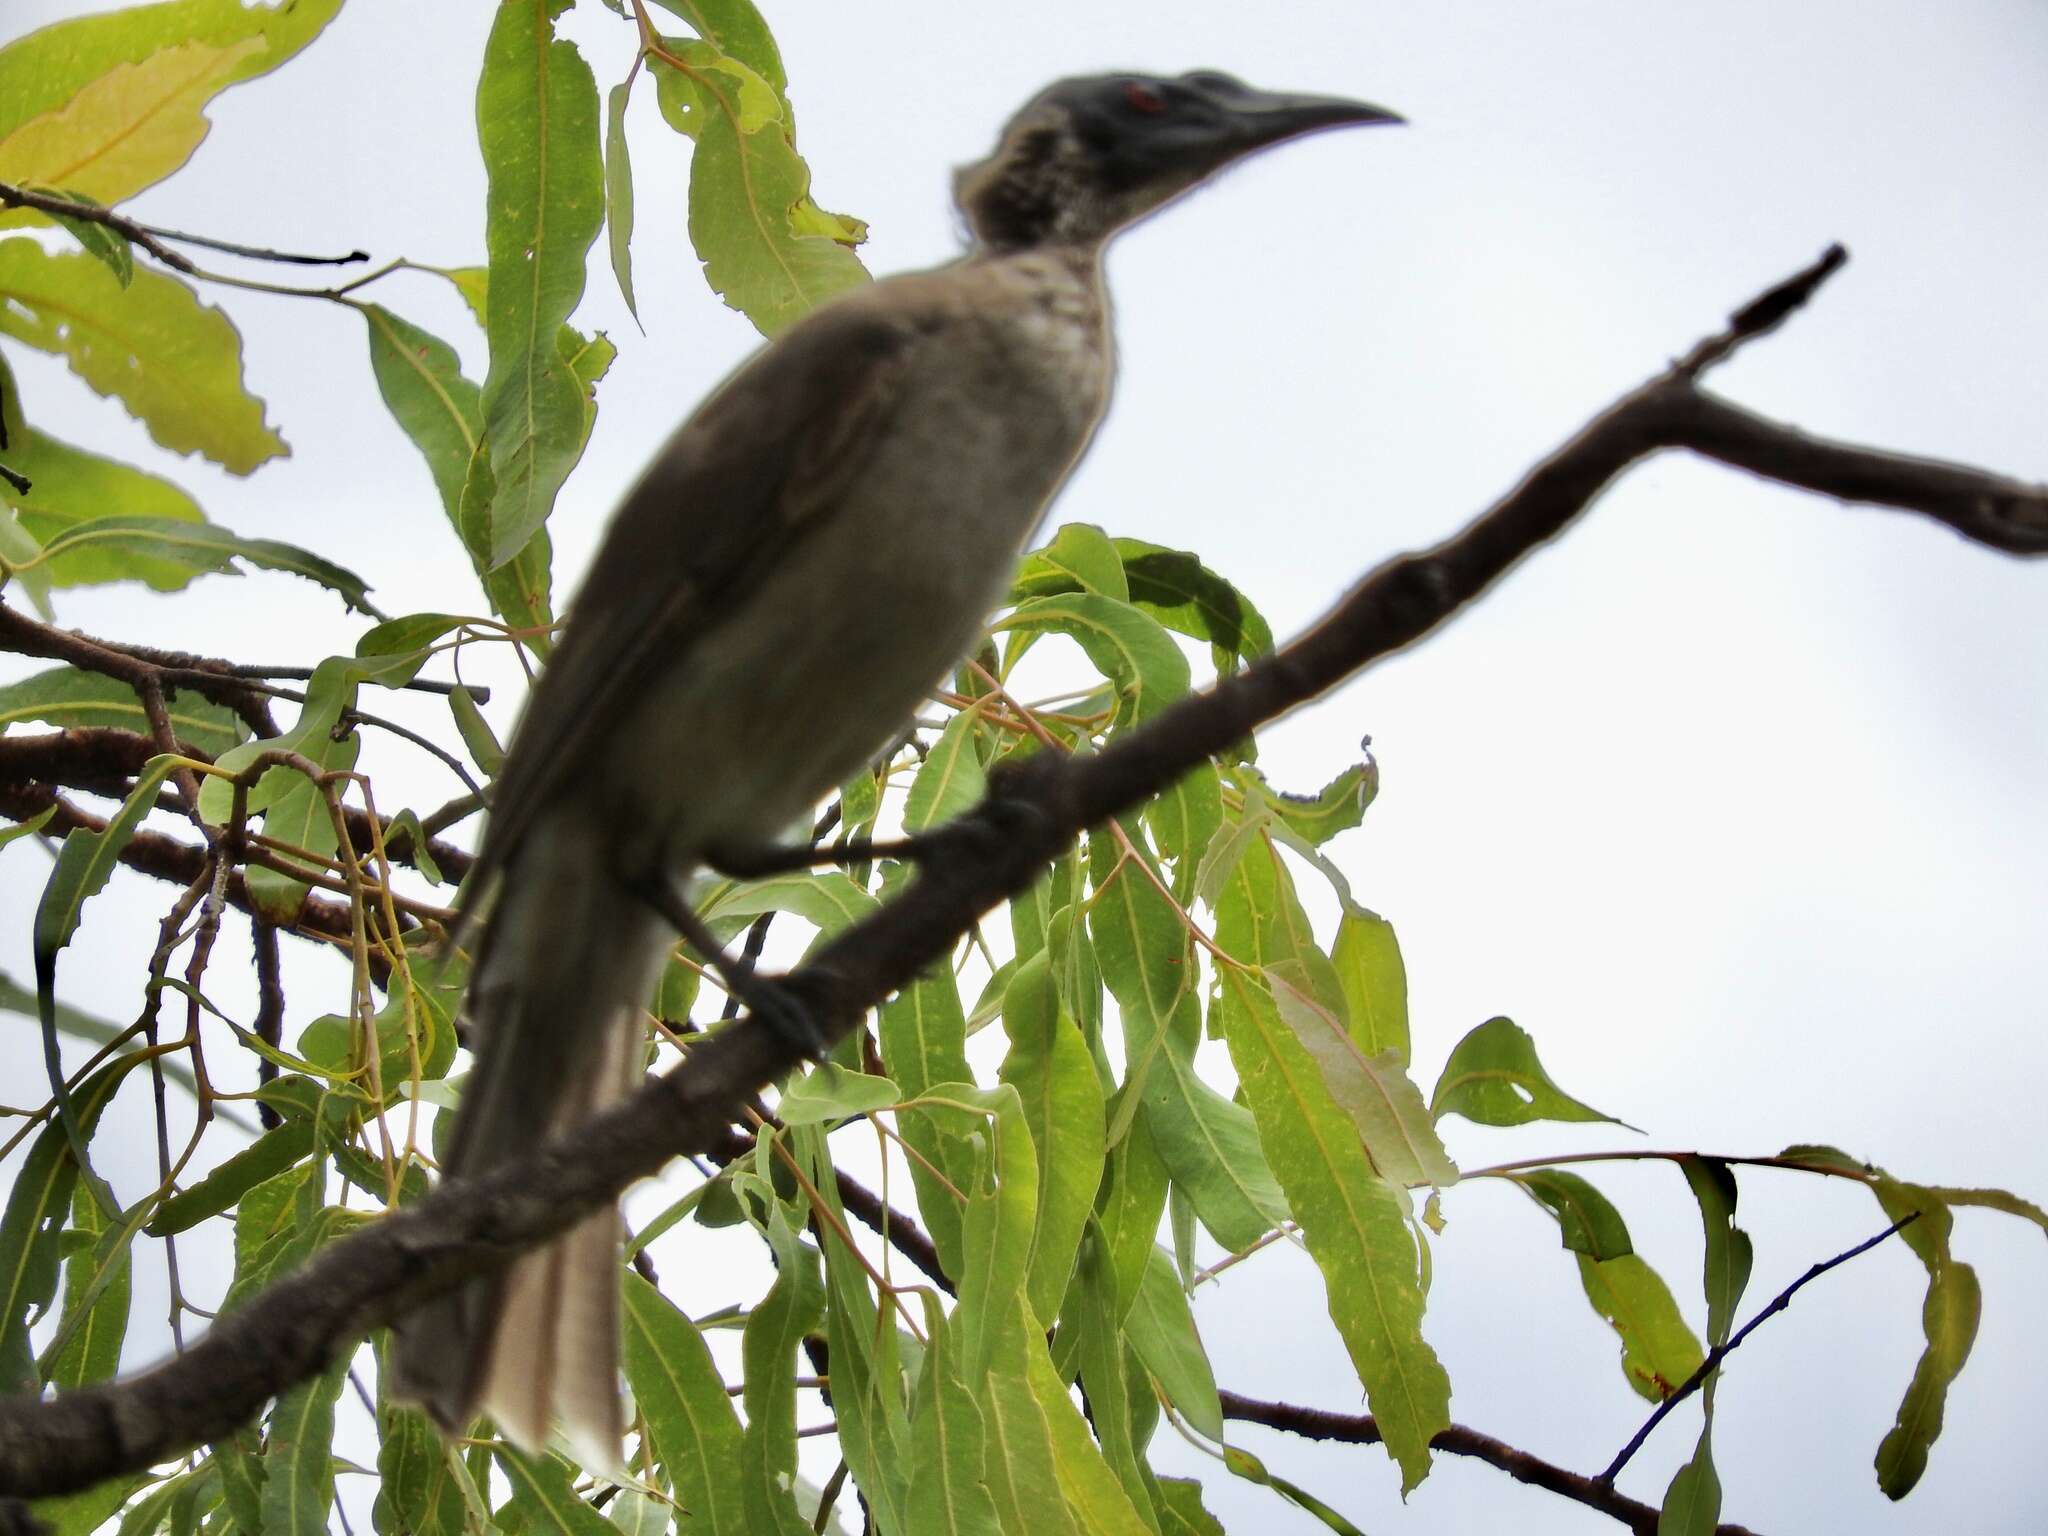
[801, 563]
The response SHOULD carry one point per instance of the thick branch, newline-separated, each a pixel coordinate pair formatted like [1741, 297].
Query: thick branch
[166, 858]
[295, 1326]
[102, 759]
[1359, 1429]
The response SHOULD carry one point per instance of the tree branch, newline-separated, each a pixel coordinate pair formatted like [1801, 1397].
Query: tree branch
[463, 1228]
[1720, 1352]
[154, 853]
[1360, 1429]
[102, 759]
[151, 238]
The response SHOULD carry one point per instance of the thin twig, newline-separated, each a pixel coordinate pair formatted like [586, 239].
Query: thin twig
[1362, 1429]
[46, 202]
[1720, 1352]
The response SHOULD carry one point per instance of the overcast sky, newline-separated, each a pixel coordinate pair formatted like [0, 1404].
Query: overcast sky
[1734, 798]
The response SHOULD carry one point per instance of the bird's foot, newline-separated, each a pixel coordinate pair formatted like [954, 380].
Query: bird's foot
[772, 999]
[986, 830]
[782, 1006]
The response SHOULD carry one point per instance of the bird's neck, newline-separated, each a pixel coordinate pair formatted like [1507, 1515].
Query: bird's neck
[1035, 195]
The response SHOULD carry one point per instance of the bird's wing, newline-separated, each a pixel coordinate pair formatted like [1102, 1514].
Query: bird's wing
[725, 501]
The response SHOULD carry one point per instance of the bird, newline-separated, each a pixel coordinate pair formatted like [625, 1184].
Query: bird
[809, 554]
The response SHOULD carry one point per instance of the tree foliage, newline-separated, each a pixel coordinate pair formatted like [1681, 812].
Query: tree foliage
[1158, 1047]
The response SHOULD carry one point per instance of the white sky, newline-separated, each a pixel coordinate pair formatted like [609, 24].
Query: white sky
[1733, 799]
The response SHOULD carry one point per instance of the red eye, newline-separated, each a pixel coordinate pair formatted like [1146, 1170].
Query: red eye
[1144, 99]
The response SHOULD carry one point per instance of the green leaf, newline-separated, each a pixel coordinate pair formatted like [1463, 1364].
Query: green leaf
[1161, 1328]
[1374, 982]
[870, 1394]
[298, 1455]
[1494, 1078]
[1124, 645]
[418, 1491]
[1990, 1199]
[923, 1034]
[42, 71]
[207, 547]
[128, 129]
[1376, 1092]
[1355, 1226]
[736, 28]
[270, 1155]
[768, 250]
[1252, 1470]
[95, 1308]
[826, 899]
[329, 694]
[1053, 1071]
[1692, 1503]
[1108, 1377]
[69, 486]
[1186, 596]
[29, 828]
[947, 1495]
[1179, 1502]
[1337, 807]
[1948, 1319]
[537, 121]
[544, 1496]
[950, 780]
[93, 237]
[1032, 1418]
[1146, 953]
[837, 1095]
[423, 387]
[1211, 1149]
[1002, 1206]
[774, 1332]
[1184, 819]
[69, 699]
[690, 1419]
[1080, 558]
[1128, 1208]
[410, 633]
[83, 866]
[618, 192]
[81, 1514]
[1729, 1254]
[476, 732]
[1658, 1351]
[1587, 1221]
[175, 363]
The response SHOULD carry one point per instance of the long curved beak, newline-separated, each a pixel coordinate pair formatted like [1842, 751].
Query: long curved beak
[1268, 117]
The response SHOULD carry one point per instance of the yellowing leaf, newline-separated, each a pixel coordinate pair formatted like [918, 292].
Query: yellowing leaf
[69, 487]
[131, 127]
[1354, 1223]
[42, 71]
[1658, 1351]
[174, 362]
[744, 189]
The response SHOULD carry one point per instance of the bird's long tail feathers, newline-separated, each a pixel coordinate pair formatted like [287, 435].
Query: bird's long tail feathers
[565, 966]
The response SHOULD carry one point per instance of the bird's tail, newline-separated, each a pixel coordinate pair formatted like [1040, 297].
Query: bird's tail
[565, 965]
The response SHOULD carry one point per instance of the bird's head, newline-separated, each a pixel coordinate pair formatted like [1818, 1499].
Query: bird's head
[1086, 157]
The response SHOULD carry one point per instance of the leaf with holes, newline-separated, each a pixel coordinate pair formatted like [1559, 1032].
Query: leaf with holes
[175, 363]
[536, 114]
[1494, 1078]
